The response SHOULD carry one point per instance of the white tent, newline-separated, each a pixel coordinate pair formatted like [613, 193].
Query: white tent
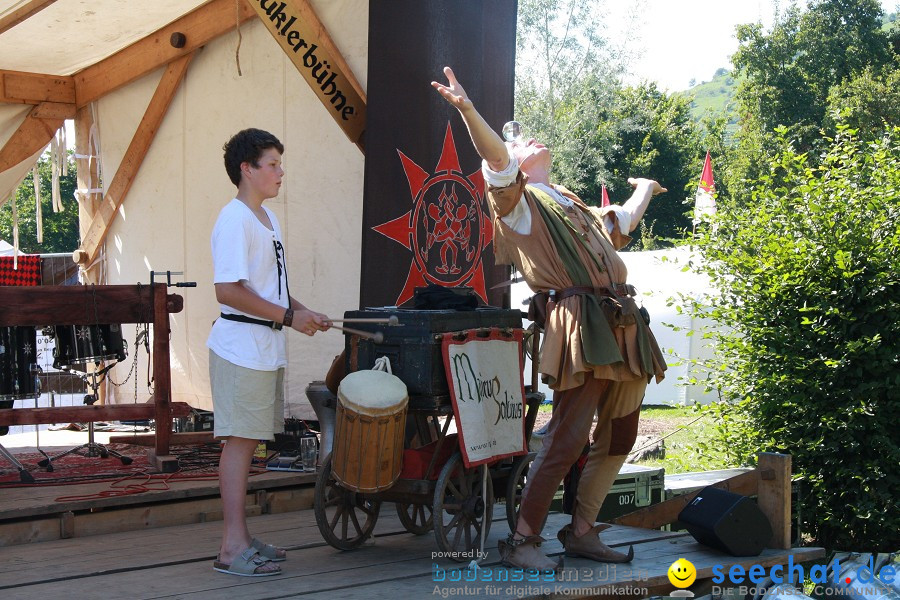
[5, 248]
[660, 276]
[106, 62]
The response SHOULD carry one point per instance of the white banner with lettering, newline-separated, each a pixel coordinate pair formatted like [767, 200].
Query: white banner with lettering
[484, 371]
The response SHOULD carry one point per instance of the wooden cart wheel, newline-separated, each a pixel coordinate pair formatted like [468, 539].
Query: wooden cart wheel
[345, 518]
[518, 476]
[462, 506]
[418, 519]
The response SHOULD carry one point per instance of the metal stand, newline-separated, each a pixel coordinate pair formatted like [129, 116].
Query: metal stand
[24, 475]
[91, 449]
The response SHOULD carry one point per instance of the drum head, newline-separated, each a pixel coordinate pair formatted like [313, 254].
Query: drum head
[78, 345]
[373, 393]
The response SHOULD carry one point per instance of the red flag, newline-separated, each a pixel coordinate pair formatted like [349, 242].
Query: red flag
[704, 202]
[604, 197]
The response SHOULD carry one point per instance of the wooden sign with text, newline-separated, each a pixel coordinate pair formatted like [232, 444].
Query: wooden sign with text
[298, 31]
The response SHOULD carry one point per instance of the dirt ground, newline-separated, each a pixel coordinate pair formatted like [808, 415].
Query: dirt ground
[655, 426]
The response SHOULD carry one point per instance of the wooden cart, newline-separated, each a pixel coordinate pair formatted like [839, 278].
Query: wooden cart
[452, 500]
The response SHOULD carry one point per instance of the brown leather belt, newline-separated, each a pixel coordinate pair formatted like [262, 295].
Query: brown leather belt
[617, 290]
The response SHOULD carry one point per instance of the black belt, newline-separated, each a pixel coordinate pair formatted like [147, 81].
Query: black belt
[251, 320]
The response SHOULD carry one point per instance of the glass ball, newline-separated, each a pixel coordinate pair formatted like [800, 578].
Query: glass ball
[512, 131]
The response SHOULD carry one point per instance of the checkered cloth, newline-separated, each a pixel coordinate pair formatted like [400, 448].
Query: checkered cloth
[27, 273]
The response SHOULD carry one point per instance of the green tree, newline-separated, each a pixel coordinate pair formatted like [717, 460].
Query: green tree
[655, 136]
[789, 72]
[60, 229]
[810, 330]
[867, 103]
[569, 96]
[566, 77]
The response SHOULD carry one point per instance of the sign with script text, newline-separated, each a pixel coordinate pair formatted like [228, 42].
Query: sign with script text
[298, 31]
[484, 370]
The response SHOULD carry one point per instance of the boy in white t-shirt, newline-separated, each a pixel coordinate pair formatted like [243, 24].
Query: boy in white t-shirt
[247, 353]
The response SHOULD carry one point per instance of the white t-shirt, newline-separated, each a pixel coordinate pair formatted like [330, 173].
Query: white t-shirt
[243, 249]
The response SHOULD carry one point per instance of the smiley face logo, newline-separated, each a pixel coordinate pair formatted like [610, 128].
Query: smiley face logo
[682, 573]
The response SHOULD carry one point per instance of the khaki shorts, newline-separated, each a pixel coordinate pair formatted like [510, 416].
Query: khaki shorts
[247, 403]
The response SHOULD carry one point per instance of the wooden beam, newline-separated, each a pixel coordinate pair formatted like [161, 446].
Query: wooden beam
[309, 16]
[185, 438]
[657, 515]
[775, 496]
[131, 162]
[200, 26]
[54, 110]
[33, 134]
[88, 176]
[82, 304]
[85, 414]
[23, 12]
[18, 87]
[305, 41]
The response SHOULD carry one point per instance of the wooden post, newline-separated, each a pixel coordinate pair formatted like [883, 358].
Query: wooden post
[162, 380]
[88, 178]
[775, 496]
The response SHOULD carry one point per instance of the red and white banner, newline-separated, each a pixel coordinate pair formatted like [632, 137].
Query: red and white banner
[704, 202]
[486, 387]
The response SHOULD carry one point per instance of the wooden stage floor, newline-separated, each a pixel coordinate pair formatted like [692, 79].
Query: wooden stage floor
[160, 544]
[176, 562]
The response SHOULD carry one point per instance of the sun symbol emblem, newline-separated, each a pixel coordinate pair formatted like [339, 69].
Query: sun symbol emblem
[27, 350]
[447, 229]
[83, 333]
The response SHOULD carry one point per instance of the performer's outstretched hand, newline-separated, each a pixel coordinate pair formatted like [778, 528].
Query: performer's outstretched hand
[454, 92]
[655, 188]
[486, 141]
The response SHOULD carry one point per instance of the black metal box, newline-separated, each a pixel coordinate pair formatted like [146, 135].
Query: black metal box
[414, 345]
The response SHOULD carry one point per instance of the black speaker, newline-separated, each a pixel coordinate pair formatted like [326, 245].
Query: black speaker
[726, 521]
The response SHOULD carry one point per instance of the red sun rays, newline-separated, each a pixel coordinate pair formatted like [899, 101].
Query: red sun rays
[403, 229]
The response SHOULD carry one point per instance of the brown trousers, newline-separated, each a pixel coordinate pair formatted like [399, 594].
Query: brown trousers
[617, 405]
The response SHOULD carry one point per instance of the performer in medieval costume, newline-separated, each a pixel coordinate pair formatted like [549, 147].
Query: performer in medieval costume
[598, 353]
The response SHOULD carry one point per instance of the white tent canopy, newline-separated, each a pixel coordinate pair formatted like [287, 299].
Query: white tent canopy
[49, 56]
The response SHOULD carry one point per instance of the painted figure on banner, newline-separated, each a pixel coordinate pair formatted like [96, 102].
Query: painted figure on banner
[598, 353]
[447, 228]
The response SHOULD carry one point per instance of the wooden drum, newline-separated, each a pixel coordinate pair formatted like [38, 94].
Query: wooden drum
[369, 433]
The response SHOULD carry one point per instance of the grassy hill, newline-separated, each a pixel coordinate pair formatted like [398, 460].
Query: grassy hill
[713, 97]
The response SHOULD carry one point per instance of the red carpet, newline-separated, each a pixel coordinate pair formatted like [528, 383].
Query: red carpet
[74, 468]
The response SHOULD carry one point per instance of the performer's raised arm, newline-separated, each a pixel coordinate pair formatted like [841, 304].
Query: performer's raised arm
[486, 141]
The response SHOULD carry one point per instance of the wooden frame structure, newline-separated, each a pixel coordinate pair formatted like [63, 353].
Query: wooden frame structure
[54, 98]
[91, 305]
[770, 482]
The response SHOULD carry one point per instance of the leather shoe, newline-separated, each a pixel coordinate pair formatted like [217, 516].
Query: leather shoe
[525, 554]
[590, 546]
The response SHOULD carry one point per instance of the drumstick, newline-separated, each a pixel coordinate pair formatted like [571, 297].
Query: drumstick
[376, 337]
[390, 321]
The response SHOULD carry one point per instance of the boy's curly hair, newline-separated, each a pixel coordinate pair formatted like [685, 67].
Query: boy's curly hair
[247, 146]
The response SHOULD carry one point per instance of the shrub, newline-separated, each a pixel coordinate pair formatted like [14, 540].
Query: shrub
[810, 305]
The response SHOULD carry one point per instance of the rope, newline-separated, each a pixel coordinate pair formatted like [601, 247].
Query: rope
[677, 429]
[237, 20]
